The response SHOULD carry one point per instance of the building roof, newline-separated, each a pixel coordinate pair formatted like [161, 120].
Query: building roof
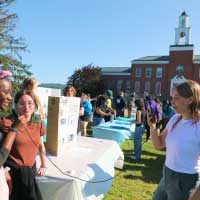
[116, 70]
[159, 58]
[153, 58]
[146, 59]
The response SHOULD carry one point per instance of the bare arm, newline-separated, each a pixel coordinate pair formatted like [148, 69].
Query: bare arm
[138, 117]
[81, 111]
[195, 195]
[100, 112]
[113, 111]
[158, 140]
[10, 137]
[42, 153]
[6, 146]
[12, 130]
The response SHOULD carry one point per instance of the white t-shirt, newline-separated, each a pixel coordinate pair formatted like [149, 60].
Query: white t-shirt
[4, 191]
[183, 146]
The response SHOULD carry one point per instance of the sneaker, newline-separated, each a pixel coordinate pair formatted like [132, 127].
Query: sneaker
[134, 158]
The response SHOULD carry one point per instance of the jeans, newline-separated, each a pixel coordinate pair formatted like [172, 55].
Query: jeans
[139, 130]
[98, 120]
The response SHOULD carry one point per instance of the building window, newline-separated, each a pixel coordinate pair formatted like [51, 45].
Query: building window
[158, 88]
[128, 86]
[119, 85]
[180, 69]
[148, 72]
[111, 84]
[138, 72]
[147, 87]
[159, 72]
[137, 87]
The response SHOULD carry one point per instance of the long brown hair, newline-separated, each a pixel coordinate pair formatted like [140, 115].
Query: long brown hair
[190, 89]
[65, 90]
[29, 81]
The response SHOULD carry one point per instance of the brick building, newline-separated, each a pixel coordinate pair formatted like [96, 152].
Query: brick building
[157, 75]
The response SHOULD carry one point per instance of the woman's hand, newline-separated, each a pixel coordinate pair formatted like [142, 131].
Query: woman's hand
[41, 171]
[5, 124]
[21, 123]
[151, 120]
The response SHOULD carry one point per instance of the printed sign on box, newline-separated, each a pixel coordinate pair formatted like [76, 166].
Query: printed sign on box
[62, 122]
[43, 94]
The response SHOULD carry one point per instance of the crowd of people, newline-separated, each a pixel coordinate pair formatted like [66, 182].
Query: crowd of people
[171, 124]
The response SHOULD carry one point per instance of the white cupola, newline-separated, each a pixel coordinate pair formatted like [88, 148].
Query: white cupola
[183, 32]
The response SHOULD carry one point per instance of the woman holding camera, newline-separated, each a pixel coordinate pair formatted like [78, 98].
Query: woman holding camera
[181, 138]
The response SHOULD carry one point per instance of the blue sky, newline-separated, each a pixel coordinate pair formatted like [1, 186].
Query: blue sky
[64, 35]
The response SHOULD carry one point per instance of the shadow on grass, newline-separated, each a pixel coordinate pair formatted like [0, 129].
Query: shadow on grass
[150, 166]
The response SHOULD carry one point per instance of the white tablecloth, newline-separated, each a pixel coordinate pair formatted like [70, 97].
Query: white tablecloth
[89, 159]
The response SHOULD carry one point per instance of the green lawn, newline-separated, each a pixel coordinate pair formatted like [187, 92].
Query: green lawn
[137, 181]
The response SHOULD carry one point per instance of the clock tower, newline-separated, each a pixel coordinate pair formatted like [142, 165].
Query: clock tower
[181, 54]
[182, 33]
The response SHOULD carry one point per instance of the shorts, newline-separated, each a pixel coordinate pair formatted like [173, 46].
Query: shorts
[176, 185]
[86, 118]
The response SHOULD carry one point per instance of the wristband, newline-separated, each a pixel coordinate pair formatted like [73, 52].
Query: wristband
[13, 130]
[43, 166]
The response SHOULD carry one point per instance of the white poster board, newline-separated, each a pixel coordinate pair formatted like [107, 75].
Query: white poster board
[62, 122]
[43, 94]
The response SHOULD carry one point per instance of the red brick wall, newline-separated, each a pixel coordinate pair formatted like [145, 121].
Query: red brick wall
[176, 58]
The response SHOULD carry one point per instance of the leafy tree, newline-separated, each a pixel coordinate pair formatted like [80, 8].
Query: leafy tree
[10, 46]
[87, 79]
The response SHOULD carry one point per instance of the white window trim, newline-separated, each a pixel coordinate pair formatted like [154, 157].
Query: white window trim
[157, 76]
[148, 68]
[136, 74]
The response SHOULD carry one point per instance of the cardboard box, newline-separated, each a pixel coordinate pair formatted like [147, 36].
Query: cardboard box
[43, 94]
[62, 122]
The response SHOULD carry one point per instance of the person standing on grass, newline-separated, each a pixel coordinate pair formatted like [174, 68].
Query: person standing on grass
[160, 114]
[120, 104]
[181, 138]
[103, 111]
[150, 105]
[87, 116]
[132, 107]
[139, 129]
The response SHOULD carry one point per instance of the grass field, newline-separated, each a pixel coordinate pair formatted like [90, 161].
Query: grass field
[137, 180]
